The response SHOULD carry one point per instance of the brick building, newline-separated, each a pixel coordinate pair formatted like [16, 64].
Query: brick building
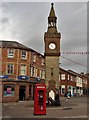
[21, 69]
[74, 82]
[67, 82]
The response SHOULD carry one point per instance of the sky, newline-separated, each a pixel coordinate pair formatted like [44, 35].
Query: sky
[26, 22]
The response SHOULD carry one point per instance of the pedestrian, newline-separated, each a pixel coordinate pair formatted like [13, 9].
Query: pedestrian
[50, 101]
[57, 99]
[68, 95]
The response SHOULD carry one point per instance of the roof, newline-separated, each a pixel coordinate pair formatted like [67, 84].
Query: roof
[77, 74]
[52, 12]
[73, 73]
[16, 45]
[12, 44]
[67, 71]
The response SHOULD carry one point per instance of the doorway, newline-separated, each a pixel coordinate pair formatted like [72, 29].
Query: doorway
[52, 94]
[22, 90]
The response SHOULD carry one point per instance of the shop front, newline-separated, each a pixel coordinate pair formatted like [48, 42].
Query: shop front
[18, 90]
[15, 91]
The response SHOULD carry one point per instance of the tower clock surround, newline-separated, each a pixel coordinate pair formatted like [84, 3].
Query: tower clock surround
[52, 55]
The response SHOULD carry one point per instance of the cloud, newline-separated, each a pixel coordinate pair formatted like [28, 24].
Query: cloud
[5, 20]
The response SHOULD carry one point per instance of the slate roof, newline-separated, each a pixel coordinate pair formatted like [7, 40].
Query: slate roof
[16, 45]
[12, 44]
[61, 69]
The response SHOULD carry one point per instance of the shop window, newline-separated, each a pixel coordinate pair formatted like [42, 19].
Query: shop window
[10, 68]
[10, 53]
[23, 54]
[8, 90]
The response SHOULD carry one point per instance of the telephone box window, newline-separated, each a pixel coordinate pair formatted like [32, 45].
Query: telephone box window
[41, 97]
[8, 90]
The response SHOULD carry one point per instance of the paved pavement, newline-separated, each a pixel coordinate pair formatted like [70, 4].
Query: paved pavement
[73, 108]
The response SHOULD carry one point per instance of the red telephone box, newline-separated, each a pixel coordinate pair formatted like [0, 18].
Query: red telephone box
[40, 99]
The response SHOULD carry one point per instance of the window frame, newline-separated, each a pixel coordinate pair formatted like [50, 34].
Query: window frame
[33, 71]
[63, 77]
[23, 70]
[23, 56]
[71, 78]
[10, 55]
[68, 77]
[10, 73]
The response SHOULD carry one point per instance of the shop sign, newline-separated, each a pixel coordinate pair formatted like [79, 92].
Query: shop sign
[23, 77]
[3, 76]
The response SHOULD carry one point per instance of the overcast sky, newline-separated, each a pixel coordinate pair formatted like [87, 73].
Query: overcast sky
[26, 23]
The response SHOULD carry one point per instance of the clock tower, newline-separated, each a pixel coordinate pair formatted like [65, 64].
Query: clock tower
[52, 54]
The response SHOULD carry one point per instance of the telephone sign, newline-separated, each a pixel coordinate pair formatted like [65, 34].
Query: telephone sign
[40, 99]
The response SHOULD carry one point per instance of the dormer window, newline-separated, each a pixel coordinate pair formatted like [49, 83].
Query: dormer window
[10, 53]
[23, 55]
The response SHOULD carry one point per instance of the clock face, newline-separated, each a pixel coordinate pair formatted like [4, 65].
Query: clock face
[52, 46]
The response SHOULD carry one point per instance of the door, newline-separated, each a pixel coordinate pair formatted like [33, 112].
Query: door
[22, 90]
